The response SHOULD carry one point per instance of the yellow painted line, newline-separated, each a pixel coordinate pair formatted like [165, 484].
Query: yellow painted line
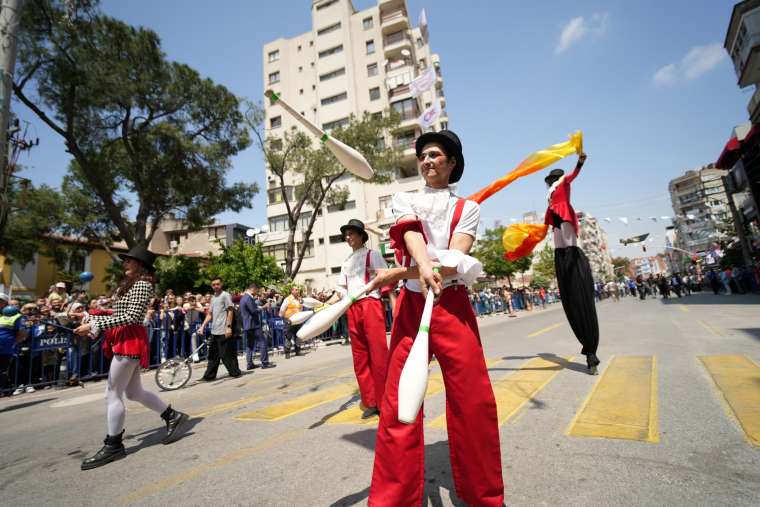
[353, 414]
[223, 407]
[174, 480]
[545, 330]
[738, 379]
[710, 328]
[683, 308]
[299, 404]
[623, 403]
[514, 391]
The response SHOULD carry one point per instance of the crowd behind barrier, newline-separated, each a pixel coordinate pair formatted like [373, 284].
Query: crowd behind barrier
[51, 355]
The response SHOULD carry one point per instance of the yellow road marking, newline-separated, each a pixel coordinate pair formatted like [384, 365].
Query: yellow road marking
[545, 330]
[623, 403]
[738, 379]
[228, 459]
[299, 404]
[353, 414]
[223, 407]
[514, 391]
[683, 308]
[710, 328]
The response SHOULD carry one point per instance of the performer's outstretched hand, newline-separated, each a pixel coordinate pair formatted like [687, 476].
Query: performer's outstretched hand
[430, 279]
[382, 278]
[581, 160]
[83, 330]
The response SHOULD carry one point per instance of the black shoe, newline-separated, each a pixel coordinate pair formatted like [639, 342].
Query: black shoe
[251, 367]
[267, 366]
[592, 362]
[176, 424]
[237, 375]
[206, 379]
[369, 412]
[111, 451]
[300, 354]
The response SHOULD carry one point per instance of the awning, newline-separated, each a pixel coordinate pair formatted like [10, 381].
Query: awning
[732, 151]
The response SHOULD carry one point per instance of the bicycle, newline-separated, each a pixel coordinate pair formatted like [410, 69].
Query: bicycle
[175, 373]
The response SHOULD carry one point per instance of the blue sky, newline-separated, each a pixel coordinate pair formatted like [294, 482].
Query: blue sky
[648, 83]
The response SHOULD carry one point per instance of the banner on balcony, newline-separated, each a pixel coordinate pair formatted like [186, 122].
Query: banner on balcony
[423, 82]
[430, 115]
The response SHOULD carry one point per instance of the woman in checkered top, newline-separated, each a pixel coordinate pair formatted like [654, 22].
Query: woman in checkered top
[126, 342]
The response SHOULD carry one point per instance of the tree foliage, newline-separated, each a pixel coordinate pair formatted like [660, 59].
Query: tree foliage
[241, 264]
[621, 266]
[543, 269]
[490, 251]
[177, 272]
[293, 156]
[135, 123]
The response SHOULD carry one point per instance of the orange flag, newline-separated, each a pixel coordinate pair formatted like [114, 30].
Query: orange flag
[535, 162]
[519, 240]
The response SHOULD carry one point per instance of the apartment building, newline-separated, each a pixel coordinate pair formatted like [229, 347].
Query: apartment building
[593, 241]
[700, 204]
[347, 63]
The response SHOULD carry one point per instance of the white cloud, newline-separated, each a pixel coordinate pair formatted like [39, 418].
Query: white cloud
[578, 27]
[698, 61]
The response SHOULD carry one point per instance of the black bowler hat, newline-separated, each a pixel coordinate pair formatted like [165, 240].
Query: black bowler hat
[356, 225]
[141, 255]
[450, 143]
[554, 175]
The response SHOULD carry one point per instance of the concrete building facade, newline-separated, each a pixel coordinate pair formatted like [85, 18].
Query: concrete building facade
[348, 63]
[700, 205]
[593, 241]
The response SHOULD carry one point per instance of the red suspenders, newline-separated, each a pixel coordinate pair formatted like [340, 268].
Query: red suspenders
[366, 267]
[458, 207]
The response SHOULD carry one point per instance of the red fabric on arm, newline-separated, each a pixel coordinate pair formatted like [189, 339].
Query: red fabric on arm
[398, 244]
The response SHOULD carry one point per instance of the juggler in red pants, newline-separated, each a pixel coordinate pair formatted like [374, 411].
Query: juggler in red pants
[366, 325]
[398, 477]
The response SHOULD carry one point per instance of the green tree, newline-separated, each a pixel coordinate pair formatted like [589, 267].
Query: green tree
[241, 264]
[293, 155]
[177, 272]
[489, 250]
[543, 269]
[621, 266]
[135, 123]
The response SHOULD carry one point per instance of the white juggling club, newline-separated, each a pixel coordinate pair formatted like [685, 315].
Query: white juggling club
[311, 302]
[323, 319]
[414, 376]
[300, 317]
[349, 158]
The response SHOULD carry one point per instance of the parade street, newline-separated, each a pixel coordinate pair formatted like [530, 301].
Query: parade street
[672, 419]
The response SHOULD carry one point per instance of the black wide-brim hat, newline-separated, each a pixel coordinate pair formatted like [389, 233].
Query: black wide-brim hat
[554, 175]
[451, 143]
[357, 225]
[141, 255]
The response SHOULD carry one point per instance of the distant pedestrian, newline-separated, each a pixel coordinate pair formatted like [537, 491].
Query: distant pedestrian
[221, 344]
[252, 317]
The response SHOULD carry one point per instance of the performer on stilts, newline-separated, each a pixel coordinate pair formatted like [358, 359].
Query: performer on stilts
[126, 342]
[366, 317]
[576, 283]
[435, 223]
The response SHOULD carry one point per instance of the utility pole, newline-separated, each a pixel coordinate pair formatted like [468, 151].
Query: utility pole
[10, 15]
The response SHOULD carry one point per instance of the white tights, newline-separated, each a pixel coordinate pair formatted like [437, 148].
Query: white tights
[124, 379]
[565, 236]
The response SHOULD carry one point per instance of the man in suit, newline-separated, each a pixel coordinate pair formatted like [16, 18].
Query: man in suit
[252, 329]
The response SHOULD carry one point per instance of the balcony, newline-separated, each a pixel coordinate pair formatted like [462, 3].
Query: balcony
[395, 44]
[393, 21]
[747, 61]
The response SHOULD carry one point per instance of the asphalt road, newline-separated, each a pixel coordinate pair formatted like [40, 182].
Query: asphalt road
[673, 419]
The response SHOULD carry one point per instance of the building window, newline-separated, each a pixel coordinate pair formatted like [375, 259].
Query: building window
[374, 93]
[444, 125]
[275, 144]
[335, 124]
[341, 207]
[311, 43]
[367, 23]
[335, 73]
[326, 4]
[407, 108]
[370, 47]
[274, 77]
[335, 270]
[336, 238]
[300, 92]
[299, 48]
[331, 51]
[275, 194]
[384, 202]
[423, 64]
[300, 68]
[274, 55]
[328, 29]
[334, 98]
[404, 140]
[372, 69]
[420, 42]
[276, 122]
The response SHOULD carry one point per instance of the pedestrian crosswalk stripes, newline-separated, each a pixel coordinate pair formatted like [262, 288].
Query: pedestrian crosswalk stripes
[300, 404]
[738, 379]
[514, 391]
[623, 403]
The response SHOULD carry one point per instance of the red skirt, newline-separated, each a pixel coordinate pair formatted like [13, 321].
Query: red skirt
[129, 341]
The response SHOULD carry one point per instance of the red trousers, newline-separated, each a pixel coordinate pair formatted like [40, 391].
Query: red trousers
[366, 325]
[398, 477]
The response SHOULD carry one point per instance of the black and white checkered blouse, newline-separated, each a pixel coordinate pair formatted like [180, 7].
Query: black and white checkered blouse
[128, 309]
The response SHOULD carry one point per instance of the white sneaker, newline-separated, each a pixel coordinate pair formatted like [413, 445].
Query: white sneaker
[19, 390]
[30, 389]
